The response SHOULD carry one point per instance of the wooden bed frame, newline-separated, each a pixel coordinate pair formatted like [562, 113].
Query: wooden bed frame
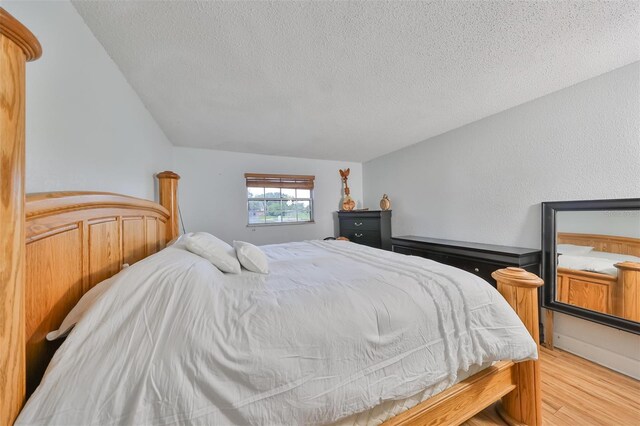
[56, 246]
[619, 296]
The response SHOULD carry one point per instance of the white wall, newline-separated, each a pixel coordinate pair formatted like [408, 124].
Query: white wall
[485, 181]
[622, 223]
[213, 195]
[86, 128]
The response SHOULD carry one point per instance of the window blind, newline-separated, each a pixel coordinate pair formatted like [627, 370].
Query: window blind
[256, 180]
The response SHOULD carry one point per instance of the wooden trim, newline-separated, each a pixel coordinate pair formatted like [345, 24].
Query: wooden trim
[12, 266]
[587, 275]
[35, 237]
[168, 182]
[629, 290]
[12, 29]
[461, 401]
[504, 415]
[51, 203]
[167, 174]
[17, 45]
[606, 243]
[628, 266]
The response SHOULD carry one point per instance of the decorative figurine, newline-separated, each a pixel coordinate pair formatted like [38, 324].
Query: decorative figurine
[385, 203]
[347, 203]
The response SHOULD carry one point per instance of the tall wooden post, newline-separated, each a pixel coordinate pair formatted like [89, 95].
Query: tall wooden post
[524, 403]
[17, 45]
[627, 300]
[169, 200]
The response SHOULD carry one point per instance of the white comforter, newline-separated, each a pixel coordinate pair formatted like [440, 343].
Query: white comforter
[595, 261]
[335, 329]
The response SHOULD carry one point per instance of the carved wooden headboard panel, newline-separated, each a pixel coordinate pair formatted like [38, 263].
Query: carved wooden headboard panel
[606, 243]
[74, 240]
[55, 246]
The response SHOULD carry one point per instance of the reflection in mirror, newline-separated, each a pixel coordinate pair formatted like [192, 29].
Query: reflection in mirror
[598, 261]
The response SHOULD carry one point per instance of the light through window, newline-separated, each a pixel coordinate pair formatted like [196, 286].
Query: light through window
[279, 199]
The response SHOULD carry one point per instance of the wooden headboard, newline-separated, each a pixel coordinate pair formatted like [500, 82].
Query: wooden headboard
[606, 243]
[17, 46]
[55, 246]
[74, 240]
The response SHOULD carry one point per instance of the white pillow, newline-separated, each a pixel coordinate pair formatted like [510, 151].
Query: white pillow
[178, 242]
[83, 305]
[251, 257]
[573, 249]
[216, 251]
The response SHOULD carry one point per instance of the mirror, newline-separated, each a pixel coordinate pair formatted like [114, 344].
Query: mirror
[591, 260]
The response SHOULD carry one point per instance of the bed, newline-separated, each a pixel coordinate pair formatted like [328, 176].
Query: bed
[59, 245]
[603, 277]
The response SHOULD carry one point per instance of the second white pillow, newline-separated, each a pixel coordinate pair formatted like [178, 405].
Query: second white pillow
[573, 249]
[216, 251]
[251, 257]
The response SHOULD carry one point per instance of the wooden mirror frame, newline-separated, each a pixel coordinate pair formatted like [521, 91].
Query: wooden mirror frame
[549, 273]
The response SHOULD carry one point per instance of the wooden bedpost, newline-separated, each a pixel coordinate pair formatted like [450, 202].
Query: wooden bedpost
[17, 45]
[524, 403]
[169, 200]
[628, 291]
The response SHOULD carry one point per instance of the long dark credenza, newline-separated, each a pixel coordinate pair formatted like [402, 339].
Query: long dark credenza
[479, 259]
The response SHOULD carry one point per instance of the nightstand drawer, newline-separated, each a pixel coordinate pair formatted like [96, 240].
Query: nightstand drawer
[368, 227]
[361, 236]
[359, 224]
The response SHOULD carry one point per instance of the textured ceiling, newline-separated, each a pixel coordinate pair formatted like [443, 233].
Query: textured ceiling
[351, 80]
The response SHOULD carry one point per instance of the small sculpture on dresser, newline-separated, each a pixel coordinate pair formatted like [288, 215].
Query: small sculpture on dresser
[347, 203]
[385, 203]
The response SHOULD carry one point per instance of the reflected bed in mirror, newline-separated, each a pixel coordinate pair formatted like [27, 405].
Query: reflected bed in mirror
[591, 260]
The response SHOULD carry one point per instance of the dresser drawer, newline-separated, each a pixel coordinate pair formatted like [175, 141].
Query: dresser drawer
[371, 227]
[363, 236]
[477, 267]
[358, 224]
[427, 254]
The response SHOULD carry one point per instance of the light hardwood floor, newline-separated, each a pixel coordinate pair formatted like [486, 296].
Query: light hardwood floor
[577, 392]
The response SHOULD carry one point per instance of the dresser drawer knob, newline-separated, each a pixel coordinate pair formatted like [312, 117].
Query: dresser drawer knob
[476, 269]
[358, 235]
[357, 223]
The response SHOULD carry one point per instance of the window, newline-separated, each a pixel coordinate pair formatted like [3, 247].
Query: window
[279, 199]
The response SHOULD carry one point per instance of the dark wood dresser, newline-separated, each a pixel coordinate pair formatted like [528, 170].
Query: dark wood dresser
[479, 259]
[369, 227]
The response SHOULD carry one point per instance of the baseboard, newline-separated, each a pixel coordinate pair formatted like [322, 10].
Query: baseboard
[612, 360]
